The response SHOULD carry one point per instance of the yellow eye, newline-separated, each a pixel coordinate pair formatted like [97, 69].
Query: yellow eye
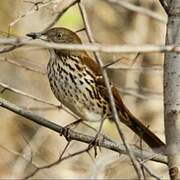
[59, 36]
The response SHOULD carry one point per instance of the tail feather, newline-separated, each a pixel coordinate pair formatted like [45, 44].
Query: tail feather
[134, 124]
[124, 114]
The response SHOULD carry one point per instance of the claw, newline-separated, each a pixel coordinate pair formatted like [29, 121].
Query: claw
[65, 133]
[96, 142]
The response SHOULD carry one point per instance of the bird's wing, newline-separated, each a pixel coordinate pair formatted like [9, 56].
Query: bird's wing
[87, 60]
[124, 114]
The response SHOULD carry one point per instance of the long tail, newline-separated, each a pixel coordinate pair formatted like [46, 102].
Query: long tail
[124, 114]
[133, 123]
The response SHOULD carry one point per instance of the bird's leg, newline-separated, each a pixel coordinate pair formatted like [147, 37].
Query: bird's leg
[97, 139]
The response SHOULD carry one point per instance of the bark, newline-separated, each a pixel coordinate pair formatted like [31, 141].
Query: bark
[172, 91]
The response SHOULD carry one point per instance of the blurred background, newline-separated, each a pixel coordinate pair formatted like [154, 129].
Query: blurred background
[139, 79]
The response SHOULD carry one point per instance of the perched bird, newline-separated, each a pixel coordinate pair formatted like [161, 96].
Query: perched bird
[76, 81]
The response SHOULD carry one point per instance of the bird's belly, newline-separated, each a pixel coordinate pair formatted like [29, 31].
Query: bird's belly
[72, 91]
[74, 100]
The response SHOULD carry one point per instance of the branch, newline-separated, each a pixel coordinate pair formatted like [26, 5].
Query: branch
[39, 69]
[139, 9]
[30, 12]
[17, 91]
[149, 171]
[135, 163]
[95, 47]
[60, 159]
[68, 4]
[164, 4]
[21, 65]
[72, 135]
[130, 92]
[172, 92]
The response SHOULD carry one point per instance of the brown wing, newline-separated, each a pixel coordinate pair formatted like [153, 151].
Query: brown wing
[90, 63]
[124, 114]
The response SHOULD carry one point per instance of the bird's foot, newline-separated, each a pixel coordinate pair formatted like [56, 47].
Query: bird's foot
[96, 142]
[65, 133]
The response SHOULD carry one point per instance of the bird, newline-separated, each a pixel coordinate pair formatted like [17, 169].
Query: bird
[76, 81]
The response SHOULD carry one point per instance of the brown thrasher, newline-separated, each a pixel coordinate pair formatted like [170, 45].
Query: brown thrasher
[74, 80]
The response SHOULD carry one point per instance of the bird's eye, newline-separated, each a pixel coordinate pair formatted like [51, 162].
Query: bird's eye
[59, 36]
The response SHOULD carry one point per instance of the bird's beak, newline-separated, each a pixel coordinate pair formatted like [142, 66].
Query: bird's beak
[38, 35]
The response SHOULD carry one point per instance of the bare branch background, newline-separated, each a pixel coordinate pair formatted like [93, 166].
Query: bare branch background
[23, 81]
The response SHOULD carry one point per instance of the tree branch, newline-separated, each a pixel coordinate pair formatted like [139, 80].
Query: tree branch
[164, 4]
[95, 47]
[172, 92]
[135, 163]
[138, 9]
[63, 10]
[72, 135]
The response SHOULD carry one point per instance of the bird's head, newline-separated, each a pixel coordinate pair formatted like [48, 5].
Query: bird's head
[57, 35]
[61, 35]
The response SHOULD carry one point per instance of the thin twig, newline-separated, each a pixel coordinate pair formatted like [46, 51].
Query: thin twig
[30, 12]
[134, 93]
[7, 87]
[30, 149]
[112, 63]
[35, 108]
[138, 9]
[40, 70]
[138, 68]
[28, 95]
[17, 154]
[63, 10]
[60, 159]
[112, 103]
[95, 47]
[149, 171]
[16, 63]
[72, 135]
[165, 6]
[79, 30]
[10, 48]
